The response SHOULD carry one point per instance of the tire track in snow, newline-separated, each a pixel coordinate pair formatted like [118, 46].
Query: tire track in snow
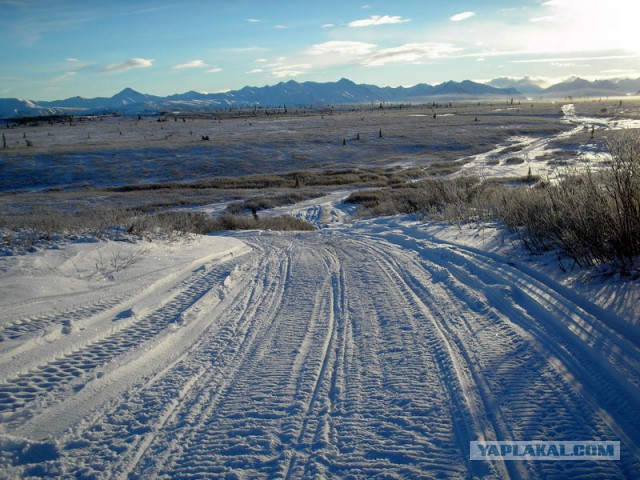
[45, 384]
[288, 409]
[224, 358]
[539, 355]
[565, 319]
[571, 341]
[473, 418]
[343, 356]
[261, 415]
[321, 392]
[112, 441]
[42, 323]
[391, 412]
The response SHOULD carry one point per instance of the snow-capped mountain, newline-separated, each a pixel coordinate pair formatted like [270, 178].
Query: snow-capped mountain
[289, 93]
[571, 87]
[342, 92]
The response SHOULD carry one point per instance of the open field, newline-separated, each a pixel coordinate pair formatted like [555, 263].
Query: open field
[107, 151]
[79, 165]
[372, 347]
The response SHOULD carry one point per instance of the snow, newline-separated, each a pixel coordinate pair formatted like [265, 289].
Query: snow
[371, 348]
[328, 211]
[535, 152]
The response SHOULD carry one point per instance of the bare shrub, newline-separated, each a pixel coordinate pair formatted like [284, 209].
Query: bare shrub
[452, 199]
[171, 225]
[592, 217]
[623, 187]
[257, 204]
[49, 222]
[529, 212]
[118, 260]
[247, 222]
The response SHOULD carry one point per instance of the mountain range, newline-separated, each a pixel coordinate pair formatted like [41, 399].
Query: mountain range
[571, 87]
[292, 93]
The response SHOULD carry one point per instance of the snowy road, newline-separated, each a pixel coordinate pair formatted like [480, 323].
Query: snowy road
[364, 352]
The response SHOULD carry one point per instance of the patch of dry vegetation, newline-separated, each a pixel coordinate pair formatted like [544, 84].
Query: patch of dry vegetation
[42, 226]
[591, 217]
[452, 199]
[285, 223]
[258, 203]
[149, 210]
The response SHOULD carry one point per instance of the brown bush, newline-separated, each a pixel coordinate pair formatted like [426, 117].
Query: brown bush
[249, 222]
[592, 217]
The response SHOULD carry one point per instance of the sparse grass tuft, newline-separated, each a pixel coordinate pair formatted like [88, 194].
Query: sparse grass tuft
[454, 199]
[256, 204]
[41, 227]
[285, 223]
[593, 218]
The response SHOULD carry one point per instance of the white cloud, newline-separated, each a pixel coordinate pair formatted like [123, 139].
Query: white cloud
[247, 49]
[280, 27]
[458, 17]
[292, 70]
[410, 53]
[256, 70]
[342, 52]
[191, 64]
[73, 60]
[617, 71]
[376, 20]
[343, 48]
[129, 65]
[548, 18]
[213, 70]
[328, 25]
[252, 20]
[64, 76]
[573, 59]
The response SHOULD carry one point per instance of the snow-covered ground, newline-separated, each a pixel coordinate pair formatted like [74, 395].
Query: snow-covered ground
[371, 349]
[376, 348]
[534, 154]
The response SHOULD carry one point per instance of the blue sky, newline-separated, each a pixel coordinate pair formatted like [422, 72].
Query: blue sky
[56, 49]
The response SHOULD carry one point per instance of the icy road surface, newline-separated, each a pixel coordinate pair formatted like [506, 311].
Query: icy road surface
[363, 352]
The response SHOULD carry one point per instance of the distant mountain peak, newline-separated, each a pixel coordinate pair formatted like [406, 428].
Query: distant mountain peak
[127, 91]
[570, 87]
[290, 93]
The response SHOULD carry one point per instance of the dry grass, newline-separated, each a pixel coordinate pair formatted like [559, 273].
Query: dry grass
[284, 223]
[593, 218]
[42, 226]
[453, 199]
